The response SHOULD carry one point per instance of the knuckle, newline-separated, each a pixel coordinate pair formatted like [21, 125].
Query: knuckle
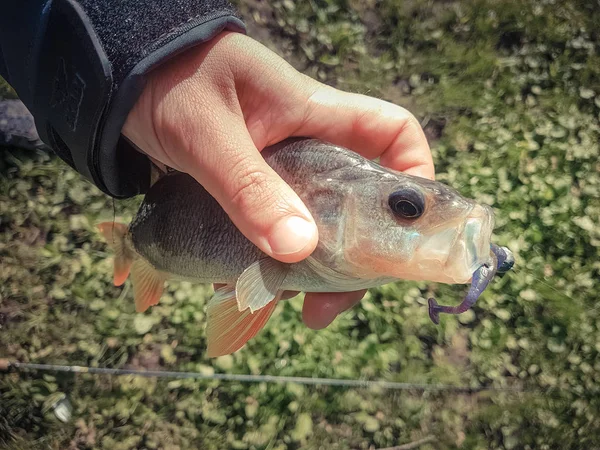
[251, 190]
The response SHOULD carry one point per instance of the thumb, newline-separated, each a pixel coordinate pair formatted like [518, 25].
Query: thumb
[261, 204]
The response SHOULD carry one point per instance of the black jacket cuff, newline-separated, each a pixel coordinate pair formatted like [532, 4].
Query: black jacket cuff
[94, 58]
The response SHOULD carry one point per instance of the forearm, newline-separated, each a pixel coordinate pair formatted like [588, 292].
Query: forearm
[80, 67]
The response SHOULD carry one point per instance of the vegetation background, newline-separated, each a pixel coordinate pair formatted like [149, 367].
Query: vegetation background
[509, 94]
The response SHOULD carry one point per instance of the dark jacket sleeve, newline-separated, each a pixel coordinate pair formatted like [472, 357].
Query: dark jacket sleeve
[79, 66]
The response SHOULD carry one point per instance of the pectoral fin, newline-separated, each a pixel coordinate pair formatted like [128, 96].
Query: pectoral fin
[260, 283]
[228, 328]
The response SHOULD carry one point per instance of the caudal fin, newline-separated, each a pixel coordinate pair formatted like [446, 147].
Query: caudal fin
[115, 233]
[148, 283]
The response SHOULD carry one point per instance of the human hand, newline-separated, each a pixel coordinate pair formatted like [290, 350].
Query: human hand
[211, 110]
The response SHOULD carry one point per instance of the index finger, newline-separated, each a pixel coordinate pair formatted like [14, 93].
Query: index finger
[369, 126]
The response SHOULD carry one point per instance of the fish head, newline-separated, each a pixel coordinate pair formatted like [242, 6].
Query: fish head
[412, 228]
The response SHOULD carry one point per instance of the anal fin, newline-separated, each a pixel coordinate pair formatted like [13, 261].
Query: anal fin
[228, 328]
[148, 284]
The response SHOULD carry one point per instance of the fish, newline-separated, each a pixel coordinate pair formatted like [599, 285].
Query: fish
[375, 225]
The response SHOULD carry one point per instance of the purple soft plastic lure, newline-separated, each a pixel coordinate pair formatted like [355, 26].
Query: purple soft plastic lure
[501, 260]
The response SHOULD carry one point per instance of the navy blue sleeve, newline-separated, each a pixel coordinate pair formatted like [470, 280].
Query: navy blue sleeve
[20, 26]
[79, 67]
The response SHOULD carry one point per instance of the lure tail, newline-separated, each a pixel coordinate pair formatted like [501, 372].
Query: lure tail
[148, 283]
[501, 261]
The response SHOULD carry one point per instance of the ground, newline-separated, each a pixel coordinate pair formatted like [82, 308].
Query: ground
[509, 95]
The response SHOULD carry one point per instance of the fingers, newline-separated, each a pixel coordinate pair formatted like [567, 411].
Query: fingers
[320, 310]
[369, 126]
[264, 208]
[278, 101]
[198, 128]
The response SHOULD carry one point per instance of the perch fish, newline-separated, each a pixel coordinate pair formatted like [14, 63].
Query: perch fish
[375, 226]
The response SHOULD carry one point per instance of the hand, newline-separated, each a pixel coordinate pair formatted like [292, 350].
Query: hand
[211, 110]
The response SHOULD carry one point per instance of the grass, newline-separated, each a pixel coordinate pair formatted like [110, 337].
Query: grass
[510, 95]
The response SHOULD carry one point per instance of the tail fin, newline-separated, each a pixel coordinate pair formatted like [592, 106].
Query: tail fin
[148, 283]
[115, 233]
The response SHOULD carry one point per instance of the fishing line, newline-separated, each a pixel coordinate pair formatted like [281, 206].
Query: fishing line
[545, 283]
[112, 234]
[242, 378]
[6, 365]
[538, 252]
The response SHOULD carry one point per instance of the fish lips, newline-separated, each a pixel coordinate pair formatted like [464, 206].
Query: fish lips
[471, 248]
[463, 247]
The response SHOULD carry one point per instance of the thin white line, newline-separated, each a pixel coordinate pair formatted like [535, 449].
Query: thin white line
[263, 378]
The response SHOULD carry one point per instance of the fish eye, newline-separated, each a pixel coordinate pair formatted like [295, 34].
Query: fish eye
[407, 203]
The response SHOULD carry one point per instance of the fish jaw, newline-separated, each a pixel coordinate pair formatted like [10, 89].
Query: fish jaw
[451, 255]
[472, 248]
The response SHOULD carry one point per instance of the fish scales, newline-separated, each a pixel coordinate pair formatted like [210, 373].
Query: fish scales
[212, 249]
[209, 248]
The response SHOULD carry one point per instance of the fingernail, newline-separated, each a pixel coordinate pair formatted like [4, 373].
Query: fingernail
[291, 235]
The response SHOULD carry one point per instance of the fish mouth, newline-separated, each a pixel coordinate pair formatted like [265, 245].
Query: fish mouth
[452, 253]
[474, 254]
[471, 247]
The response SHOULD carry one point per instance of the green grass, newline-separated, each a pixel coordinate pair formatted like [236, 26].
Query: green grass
[513, 88]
